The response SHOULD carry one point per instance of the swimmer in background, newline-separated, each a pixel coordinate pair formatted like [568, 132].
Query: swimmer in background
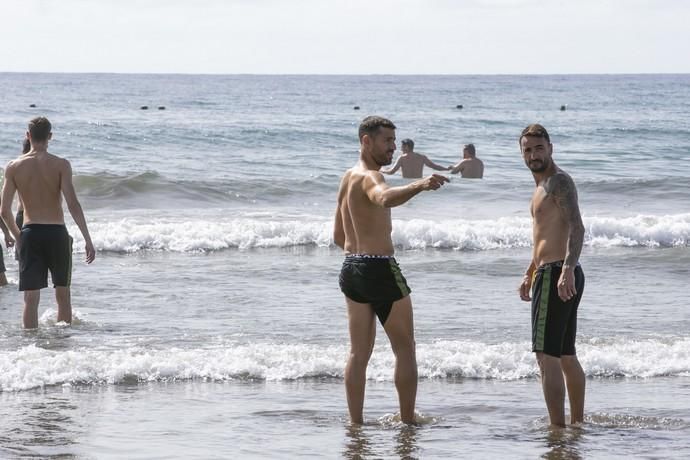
[470, 167]
[412, 163]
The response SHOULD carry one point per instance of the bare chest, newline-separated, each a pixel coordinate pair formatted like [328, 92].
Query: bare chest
[542, 206]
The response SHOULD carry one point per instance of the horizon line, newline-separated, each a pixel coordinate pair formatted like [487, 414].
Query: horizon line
[249, 74]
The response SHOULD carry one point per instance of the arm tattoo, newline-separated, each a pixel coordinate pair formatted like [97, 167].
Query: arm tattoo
[563, 190]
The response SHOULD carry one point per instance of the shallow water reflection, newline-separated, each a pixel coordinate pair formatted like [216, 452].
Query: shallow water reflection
[564, 444]
[357, 444]
[363, 441]
[407, 446]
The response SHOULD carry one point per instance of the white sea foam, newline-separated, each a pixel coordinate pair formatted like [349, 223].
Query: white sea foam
[132, 235]
[32, 367]
[641, 230]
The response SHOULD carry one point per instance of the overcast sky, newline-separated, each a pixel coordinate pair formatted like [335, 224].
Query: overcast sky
[346, 36]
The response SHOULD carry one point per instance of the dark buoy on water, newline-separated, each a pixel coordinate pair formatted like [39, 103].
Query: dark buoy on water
[356, 107]
[459, 106]
[563, 107]
[33, 106]
[144, 107]
[161, 107]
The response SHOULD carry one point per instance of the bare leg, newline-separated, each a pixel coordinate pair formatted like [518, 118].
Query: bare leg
[553, 387]
[64, 301]
[362, 324]
[575, 381]
[3, 279]
[400, 329]
[31, 299]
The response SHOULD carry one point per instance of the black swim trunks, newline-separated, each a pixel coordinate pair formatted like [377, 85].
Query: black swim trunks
[44, 247]
[375, 280]
[554, 322]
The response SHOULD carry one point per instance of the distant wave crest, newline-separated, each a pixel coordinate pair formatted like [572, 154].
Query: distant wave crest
[150, 189]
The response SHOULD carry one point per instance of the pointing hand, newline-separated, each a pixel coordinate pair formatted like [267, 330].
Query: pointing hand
[434, 182]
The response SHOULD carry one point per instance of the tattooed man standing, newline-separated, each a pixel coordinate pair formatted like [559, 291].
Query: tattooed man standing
[555, 277]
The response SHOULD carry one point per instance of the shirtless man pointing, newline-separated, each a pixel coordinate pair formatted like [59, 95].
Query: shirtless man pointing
[370, 278]
[554, 276]
[42, 179]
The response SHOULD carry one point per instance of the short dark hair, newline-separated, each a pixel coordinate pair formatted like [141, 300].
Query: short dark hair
[40, 128]
[26, 146]
[371, 124]
[409, 142]
[470, 148]
[534, 130]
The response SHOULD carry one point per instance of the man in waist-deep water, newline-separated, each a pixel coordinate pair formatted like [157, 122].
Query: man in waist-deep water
[41, 179]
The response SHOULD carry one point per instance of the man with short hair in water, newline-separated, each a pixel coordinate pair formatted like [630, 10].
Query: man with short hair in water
[412, 163]
[555, 277]
[42, 179]
[470, 167]
[370, 277]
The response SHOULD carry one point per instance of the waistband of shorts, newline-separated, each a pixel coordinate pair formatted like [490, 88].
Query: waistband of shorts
[556, 264]
[44, 226]
[368, 256]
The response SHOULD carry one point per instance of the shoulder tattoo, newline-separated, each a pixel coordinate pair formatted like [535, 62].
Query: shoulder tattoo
[562, 188]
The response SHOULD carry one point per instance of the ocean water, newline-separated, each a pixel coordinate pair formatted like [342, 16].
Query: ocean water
[211, 324]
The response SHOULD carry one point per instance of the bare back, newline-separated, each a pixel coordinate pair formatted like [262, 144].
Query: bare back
[551, 226]
[367, 226]
[470, 168]
[412, 165]
[38, 178]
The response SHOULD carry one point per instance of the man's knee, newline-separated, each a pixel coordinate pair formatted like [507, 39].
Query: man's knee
[569, 363]
[359, 358]
[62, 294]
[32, 297]
[546, 361]
[404, 347]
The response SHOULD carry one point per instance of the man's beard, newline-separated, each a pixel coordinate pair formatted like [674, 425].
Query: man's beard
[537, 166]
[384, 161]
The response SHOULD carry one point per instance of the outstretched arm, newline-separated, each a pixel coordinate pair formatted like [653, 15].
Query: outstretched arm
[433, 165]
[563, 190]
[75, 209]
[384, 195]
[458, 167]
[395, 167]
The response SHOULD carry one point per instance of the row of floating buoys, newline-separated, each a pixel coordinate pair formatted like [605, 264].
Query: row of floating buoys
[460, 106]
[564, 107]
[143, 107]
